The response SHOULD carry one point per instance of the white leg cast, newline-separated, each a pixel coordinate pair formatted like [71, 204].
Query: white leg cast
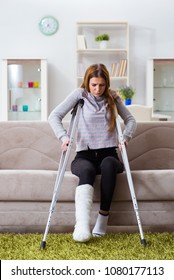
[83, 205]
[100, 225]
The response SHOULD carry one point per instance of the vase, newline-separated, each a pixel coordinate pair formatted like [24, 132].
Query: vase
[103, 44]
[128, 101]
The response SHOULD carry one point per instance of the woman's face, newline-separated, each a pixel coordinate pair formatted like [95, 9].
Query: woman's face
[97, 86]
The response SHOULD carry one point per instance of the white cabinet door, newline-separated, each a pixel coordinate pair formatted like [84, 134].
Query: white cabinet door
[24, 90]
[160, 86]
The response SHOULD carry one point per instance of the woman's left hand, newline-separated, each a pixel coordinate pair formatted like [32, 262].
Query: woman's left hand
[120, 147]
[65, 145]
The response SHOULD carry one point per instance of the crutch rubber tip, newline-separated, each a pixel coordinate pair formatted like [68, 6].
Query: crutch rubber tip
[43, 245]
[143, 241]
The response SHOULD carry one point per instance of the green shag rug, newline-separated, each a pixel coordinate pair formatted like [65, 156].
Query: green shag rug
[160, 246]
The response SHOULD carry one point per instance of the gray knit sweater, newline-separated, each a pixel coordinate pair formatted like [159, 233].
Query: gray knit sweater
[92, 130]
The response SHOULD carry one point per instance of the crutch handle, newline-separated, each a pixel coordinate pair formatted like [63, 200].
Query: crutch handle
[79, 103]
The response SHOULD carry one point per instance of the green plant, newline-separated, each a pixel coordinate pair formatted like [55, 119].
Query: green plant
[102, 37]
[126, 92]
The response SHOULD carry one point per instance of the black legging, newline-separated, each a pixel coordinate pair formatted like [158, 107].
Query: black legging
[88, 164]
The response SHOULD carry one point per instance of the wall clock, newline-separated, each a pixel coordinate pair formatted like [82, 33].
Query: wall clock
[48, 25]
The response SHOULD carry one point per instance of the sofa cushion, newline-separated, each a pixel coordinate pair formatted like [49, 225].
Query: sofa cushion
[33, 146]
[152, 147]
[28, 145]
[38, 185]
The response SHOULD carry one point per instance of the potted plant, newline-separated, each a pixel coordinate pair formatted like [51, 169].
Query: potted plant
[127, 93]
[102, 38]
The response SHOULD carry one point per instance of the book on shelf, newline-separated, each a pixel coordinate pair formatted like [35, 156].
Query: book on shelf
[122, 67]
[124, 71]
[113, 69]
[81, 42]
[118, 69]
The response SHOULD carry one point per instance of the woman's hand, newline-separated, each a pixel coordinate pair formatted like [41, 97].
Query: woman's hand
[65, 145]
[120, 147]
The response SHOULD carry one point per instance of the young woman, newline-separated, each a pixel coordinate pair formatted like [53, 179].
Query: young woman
[96, 145]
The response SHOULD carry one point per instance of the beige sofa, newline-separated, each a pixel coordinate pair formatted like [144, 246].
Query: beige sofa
[29, 154]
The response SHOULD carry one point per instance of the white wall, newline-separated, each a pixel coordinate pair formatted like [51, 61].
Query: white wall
[151, 35]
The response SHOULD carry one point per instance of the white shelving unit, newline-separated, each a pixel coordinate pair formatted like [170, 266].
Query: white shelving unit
[24, 90]
[115, 56]
[160, 86]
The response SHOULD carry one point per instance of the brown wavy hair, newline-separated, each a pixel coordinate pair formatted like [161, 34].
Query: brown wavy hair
[100, 71]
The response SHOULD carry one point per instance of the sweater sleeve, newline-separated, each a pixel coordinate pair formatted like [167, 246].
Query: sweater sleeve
[128, 119]
[60, 111]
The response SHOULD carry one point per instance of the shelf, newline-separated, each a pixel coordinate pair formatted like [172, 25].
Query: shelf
[112, 78]
[16, 88]
[19, 112]
[102, 23]
[164, 111]
[167, 87]
[115, 55]
[101, 50]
